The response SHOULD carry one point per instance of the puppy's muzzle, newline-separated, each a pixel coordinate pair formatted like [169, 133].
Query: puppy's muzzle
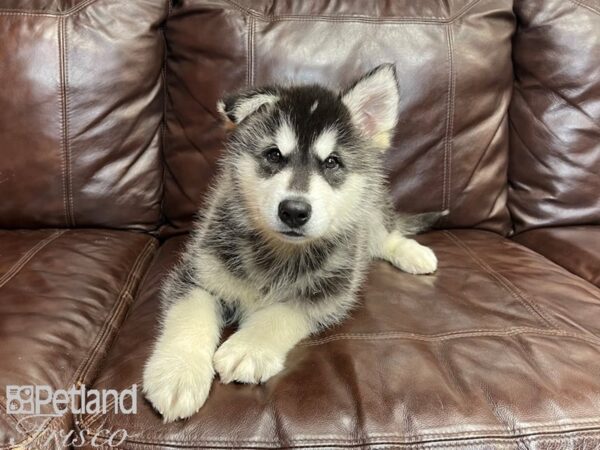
[294, 213]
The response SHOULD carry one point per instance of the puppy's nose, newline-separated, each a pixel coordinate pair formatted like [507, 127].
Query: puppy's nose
[294, 213]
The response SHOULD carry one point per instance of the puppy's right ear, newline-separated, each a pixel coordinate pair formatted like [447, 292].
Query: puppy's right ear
[373, 102]
[236, 107]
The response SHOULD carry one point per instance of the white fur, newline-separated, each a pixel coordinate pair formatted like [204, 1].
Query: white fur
[340, 203]
[257, 351]
[286, 139]
[314, 106]
[179, 374]
[407, 254]
[250, 105]
[325, 144]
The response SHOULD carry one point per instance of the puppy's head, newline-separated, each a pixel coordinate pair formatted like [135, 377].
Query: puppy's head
[305, 159]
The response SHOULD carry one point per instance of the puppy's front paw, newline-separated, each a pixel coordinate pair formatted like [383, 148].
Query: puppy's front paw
[243, 359]
[412, 257]
[177, 384]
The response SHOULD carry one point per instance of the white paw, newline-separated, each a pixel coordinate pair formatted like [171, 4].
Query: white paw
[242, 359]
[414, 258]
[177, 384]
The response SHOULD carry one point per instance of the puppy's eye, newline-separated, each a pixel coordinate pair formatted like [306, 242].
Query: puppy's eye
[273, 155]
[332, 162]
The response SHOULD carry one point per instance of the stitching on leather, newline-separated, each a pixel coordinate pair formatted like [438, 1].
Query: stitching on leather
[448, 137]
[163, 139]
[353, 18]
[586, 6]
[391, 335]
[68, 154]
[517, 294]
[451, 128]
[63, 164]
[114, 315]
[372, 439]
[81, 372]
[250, 52]
[556, 264]
[519, 433]
[28, 255]
[65, 144]
[94, 417]
[73, 10]
[88, 421]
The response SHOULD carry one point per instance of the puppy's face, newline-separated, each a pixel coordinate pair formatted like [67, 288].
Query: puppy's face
[304, 157]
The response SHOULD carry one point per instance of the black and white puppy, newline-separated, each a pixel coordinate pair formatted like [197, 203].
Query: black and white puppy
[298, 211]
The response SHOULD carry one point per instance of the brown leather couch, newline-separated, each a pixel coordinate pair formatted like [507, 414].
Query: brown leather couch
[108, 141]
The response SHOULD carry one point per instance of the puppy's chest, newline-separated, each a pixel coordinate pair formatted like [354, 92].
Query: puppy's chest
[255, 279]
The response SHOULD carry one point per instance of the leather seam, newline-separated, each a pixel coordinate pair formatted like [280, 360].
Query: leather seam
[114, 314]
[516, 293]
[403, 439]
[101, 336]
[250, 52]
[163, 139]
[65, 144]
[21, 262]
[391, 335]
[69, 153]
[353, 18]
[73, 10]
[448, 137]
[94, 417]
[63, 166]
[570, 273]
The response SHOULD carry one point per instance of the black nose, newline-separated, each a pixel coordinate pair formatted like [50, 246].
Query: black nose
[294, 213]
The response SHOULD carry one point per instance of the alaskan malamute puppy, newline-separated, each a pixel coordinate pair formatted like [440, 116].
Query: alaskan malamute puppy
[298, 211]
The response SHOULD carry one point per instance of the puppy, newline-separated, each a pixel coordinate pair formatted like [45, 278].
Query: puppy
[297, 213]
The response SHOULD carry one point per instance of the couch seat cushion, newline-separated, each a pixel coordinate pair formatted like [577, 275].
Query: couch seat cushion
[577, 249]
[63, 295]
[500, 348]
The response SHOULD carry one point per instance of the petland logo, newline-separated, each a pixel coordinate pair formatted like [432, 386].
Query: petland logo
[27, 403]
[44, 401]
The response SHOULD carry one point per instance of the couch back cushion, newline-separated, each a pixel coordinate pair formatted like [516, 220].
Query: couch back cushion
[81, 107]
[554, 171]
[454, 67]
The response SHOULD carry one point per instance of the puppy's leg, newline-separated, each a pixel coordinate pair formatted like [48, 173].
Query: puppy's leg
[258, 349]
[178, 375]
[406, 254]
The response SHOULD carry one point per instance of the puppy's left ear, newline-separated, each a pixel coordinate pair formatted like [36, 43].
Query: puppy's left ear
[234, 108]
[373, 104]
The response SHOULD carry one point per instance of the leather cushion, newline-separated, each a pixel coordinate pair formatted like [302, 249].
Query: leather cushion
[575, 248]
[63, 295]
[454, 68]
[555, 115]
[500, 348]
[81, 103]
